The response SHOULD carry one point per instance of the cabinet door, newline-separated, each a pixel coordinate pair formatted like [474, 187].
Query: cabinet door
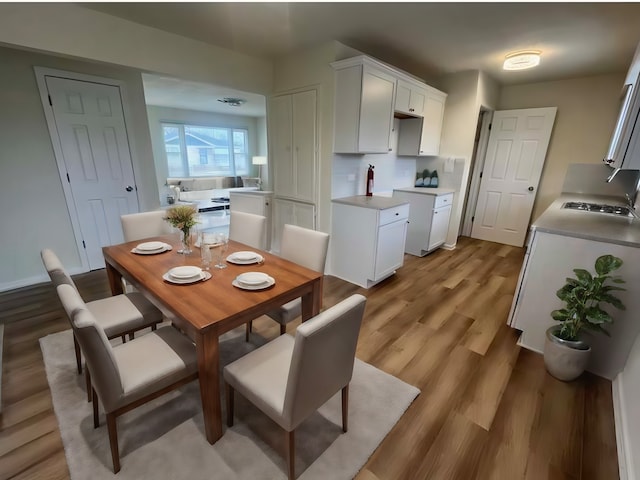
[376, 111]
[410, 98]
[439, 226]
[432, 125]
[390, 248]
[304, 145]
[403, 97]
[417, 101]
[292, 213]
[280, 143]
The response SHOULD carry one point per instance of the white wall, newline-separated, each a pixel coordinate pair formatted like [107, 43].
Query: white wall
[157, 115]
[587, 109]
[34, 213]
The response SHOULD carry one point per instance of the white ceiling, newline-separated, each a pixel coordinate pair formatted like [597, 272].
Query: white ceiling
[425, 39]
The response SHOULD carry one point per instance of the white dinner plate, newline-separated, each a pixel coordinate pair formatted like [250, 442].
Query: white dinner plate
[253, 278]
[270, 282]
[233, 258]
[185, 272]
[150, 246]
[204, 276]
[165, 248]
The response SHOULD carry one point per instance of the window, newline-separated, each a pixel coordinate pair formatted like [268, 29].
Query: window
[197, 151]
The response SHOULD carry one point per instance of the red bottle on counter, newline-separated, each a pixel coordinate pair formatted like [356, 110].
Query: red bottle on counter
[370, 181]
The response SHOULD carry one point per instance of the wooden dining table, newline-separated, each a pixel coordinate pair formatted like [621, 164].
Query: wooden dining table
[206, 309]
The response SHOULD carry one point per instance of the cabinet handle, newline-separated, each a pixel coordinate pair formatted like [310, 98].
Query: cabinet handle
[397, 214]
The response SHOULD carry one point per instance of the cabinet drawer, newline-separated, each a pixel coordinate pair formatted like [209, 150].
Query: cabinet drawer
[389, 215]
[443, 200]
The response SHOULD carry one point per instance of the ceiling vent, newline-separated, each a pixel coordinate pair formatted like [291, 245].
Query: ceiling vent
[233, 102]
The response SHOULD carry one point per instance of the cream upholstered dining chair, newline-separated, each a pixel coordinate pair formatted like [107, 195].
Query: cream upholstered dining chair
[289, 379]
[136, 226]
[118, 315]
[129, 374]
[307, 248]
[249, 229]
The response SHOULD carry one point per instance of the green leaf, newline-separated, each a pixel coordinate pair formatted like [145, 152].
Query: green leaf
[615, 301]
[618, 280]
[606, 264]
[608, 288]
[583, 276]
[598, 316]
[560, 315]
[597, 328]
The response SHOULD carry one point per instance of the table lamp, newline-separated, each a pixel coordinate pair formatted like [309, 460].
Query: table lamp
[259, 161]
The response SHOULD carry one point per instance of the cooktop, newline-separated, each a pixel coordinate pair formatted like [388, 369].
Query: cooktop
[600, 208]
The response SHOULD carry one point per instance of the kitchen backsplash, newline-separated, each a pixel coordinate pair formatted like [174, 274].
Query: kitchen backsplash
[590, 178]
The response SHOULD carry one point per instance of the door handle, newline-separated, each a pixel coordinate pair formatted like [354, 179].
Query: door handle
[530, 189]
[129, 188]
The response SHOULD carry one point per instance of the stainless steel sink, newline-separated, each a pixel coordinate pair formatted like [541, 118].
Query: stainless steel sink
[600, 208]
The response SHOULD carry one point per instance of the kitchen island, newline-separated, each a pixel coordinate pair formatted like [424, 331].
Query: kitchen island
[562, 240]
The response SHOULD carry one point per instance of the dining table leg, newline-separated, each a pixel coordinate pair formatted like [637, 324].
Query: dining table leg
[115, 279]
[207, 348]
[312, 301]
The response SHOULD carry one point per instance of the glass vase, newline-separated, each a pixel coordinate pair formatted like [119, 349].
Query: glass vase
[185, 241]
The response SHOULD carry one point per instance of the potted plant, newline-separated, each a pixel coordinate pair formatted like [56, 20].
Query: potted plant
[566, 353]
[183, 217]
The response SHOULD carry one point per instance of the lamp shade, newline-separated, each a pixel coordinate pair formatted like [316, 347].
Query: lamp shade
[259, 160]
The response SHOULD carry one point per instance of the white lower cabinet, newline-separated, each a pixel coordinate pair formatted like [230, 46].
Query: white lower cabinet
[256, 202]
[428, 218]
[367, 243]
[291, 212]
[550, 259]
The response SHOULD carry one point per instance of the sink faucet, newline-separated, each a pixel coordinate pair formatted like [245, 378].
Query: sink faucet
[630, 201]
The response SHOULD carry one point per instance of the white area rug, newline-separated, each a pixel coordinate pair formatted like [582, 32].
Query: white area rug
[164, 439]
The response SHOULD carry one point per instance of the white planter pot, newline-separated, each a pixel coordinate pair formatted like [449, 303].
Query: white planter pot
[565, 360]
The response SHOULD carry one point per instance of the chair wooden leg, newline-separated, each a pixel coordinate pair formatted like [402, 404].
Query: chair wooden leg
[248, 331]
[132, 336]
[345, 408]
[76, 347]
[96, 416]
[154, 327]
[291, 454]
[283, 329]
[87, 381]
[229, 396]
[113, 441]
[124, 338]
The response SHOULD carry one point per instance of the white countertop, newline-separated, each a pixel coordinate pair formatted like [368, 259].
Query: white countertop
[376, 202]
[426, 190]
[601, 227]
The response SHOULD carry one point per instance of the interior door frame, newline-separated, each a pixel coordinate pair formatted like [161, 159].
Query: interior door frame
[41, 73]
[478, 166]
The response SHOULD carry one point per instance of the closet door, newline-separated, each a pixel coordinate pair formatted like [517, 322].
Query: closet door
[304, 141]
[281, 143]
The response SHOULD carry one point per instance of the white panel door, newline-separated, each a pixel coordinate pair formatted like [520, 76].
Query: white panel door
[304, 141]
[515, 156]
[281, 144]
[91, 128]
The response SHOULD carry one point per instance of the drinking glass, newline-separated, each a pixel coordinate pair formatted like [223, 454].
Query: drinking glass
[207, 240]
[220, 249]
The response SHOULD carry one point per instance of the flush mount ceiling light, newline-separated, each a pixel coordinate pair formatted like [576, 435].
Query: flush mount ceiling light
[233, 102]
[522, 60]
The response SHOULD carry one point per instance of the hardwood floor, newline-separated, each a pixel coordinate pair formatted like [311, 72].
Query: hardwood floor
[487, 410]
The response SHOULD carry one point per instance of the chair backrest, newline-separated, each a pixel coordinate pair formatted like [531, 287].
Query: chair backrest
[249, 229]
[95, 346]
[305, 247]
[136, 226]
[323, 357]
[57, 273]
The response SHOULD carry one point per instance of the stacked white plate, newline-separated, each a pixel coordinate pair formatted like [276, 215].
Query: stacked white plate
[151, 248]
[245, 258]
[186, 274]
[253, 281]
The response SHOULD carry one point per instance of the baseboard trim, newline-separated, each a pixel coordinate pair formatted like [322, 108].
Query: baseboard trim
[449, 246]
[29, 281]
[625, 466]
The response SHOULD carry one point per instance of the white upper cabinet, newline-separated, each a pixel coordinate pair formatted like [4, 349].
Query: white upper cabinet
[292, 130]
[410, 98]
[364, 100]
[421, 136]
[368, 93]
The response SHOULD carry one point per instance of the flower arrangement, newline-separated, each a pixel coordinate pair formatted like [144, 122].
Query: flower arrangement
[183, 217]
